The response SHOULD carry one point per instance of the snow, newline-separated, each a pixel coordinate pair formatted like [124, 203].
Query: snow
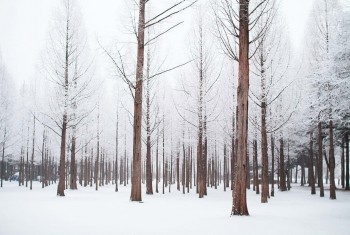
[86, 211]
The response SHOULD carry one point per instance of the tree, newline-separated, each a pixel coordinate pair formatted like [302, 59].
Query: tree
[67, 72]
[136, 87]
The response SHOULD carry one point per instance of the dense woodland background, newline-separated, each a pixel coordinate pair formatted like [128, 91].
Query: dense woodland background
[172, 121]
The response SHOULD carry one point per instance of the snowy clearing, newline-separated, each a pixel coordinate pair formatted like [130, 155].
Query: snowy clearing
[86, 211]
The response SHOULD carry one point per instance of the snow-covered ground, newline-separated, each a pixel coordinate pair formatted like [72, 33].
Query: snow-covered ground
[86, 211]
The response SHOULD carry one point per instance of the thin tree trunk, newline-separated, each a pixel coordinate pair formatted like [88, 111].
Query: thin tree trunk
[320, 160]
[61, 186]
[116, 153]
[347, 187]
[73, 166]
[272, 166]
[42, 160]
[311, 167]
[331, 161]
[163, 159]
[32, 160]
[282, 168]
[157, 164]
[3, 159]
[288, 169]
[342, 164]
[255, 166]
[97, 164]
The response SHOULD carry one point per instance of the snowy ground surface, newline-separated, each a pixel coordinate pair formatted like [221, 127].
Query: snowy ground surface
[86, 211]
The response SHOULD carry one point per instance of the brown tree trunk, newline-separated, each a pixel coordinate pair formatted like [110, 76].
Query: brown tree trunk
[239, 205]
[32, 160]
[73, 166]
[116, 153]
[342, 163]
[302, 180]
[232, 152]
[149, 188]
[225, 167]
[27, 162]
[347, 187]
[282, 168]
[42, 160]
[178, 171]
[188, 167]
[163, 168]
[264, 158]
[272, 166]
[288, 171]
[296, 174]
[3, 159]
[136, 164]
[157, 164]
[311, 167]
[97, 164]
[205, 157]
[320, 160]
[255, 166]
[61, 182]
[331, 161]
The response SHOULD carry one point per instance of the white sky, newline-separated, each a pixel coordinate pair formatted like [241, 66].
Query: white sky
[24, 27]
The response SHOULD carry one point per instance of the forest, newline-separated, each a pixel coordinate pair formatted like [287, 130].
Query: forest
[226, 104]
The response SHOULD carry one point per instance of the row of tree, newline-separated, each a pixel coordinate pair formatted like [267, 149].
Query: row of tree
[217, 135]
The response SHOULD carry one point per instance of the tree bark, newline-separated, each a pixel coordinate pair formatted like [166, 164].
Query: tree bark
[311, 167]
[239, 205]
[73, 166]
[32, 160]
[342, 163]
[255, 166]
[347, 187]
[264, 158]
[157, 164]
[136, 164]
[320, 160]
[272, 166]
[331, 161]
[282, 168]
[61, 186]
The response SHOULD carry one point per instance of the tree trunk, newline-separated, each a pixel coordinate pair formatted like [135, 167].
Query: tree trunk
[232, 151]
[296, 174]
[3, 159]
[347, 187]
[311, 167]
[32, 161]
[163, 175]
[239, 205]
[178, 171]
[342, 164]
[331, 161]
[73, 166]
[27, 162]
[157, 166]
[320, 160]
[255, 166]
[288, 170]
[136, 164]
[42, 160]
[116, 153]
[272, 166]
[282, 168]
[302, 180]
[264, 158]
[149, 188]
[61, 182]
